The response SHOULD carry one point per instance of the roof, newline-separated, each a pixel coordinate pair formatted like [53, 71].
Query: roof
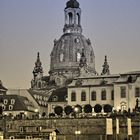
[104, 80]
[60, 94]
[2, 88]
[126, 79]
[18, 103]
[72, 4]
[41, 97]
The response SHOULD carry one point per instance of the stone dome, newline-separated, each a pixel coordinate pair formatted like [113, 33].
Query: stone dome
[66, 54]
[72, 4]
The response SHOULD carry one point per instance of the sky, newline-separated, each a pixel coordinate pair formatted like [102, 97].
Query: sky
[30, 26]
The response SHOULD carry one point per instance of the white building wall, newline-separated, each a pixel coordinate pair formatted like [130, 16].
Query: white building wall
[88, 91]
[130, 99]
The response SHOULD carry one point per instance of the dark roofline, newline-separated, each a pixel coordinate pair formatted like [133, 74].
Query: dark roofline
[103, 85]
[99, 77]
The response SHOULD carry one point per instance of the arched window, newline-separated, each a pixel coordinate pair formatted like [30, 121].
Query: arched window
[123, 106]
[70, 18]
[61, 57]
[78, 56]
[78, 19]
[93, 95]
[103, 95]
[91, 57]
[83, 96]
[39, 84]
[73, 96]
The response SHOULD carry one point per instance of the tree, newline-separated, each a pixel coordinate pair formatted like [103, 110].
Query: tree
[43, 114]
[51, 115]
[88, 108]
[68, 110]
[107, 108]
[97, 108]
[58, 110]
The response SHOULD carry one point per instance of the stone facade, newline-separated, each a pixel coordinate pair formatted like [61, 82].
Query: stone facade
[120, 91]
[90, 129]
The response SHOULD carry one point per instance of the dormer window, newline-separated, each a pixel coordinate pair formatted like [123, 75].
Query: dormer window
[55, 98]
[12, 101]
[3, 107]
[5, 101]
[10, 107]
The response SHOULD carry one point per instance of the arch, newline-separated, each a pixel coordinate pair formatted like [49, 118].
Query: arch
[61, 57]
[78, 56]
[123, 106]
[70, 18]
[39, 84]
[78, 19]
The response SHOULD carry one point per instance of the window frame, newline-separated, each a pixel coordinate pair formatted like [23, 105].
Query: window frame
[137, 92]
[93, 96]
[73, 96]
[83, 96]
[123, 92]
[103, 95]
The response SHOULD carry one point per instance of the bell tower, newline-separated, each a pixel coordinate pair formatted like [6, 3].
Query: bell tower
[72, 17]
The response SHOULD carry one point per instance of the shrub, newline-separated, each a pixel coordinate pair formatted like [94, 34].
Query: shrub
[107, 108]
[97, 108]
[58, 110]
[68, 110]
[88, 108]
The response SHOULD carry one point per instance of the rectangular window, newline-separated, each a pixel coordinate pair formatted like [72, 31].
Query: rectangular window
[103, 95]
[112, 95]
[137, 92]
[83, 96]
[73, 96]
[93, 96]
[123, 92]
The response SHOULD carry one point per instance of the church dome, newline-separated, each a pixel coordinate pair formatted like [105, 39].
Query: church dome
[66, 54]
[72, 4]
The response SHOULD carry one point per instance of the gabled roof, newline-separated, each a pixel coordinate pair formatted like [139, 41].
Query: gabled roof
[19, 103]
[61, 95]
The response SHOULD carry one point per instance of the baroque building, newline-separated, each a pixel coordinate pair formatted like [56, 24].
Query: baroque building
[67, 51]
[73, 79]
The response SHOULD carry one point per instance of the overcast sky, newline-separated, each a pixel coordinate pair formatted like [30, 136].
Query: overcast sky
[29, 26]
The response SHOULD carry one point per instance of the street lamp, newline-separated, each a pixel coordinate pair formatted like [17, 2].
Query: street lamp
[77, 132]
